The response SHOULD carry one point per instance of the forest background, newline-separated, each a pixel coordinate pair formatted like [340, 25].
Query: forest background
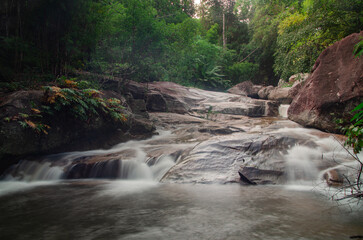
[212, 45]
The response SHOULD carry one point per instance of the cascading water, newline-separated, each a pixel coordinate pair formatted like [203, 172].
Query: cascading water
[300, 164]
[312, 166]
[283, 108]
[124, 161]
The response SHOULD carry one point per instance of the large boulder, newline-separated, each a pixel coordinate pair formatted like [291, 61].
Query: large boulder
[246, 88]
[334, 88]
[280, 95]
[257, 158]
[265, 92]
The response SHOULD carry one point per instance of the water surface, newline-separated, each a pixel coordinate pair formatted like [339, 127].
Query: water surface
[148, 210]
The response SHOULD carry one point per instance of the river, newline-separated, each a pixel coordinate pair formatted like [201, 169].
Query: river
[184, 184]
[88, 209]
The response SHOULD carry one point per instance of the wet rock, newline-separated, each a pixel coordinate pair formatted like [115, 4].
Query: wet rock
[334, 178]
[259, 158]
[334, 88]
[171, 97]
[244, 179]
[251, 175]
[106, 169]
[142, 127]
[216, 130]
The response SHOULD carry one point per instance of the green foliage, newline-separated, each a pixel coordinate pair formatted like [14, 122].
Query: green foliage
[358, 49]
[242, 71]
[212, 35]
[354, 131]
[158, 40]
[202, 65]
[83, 104]
[47, 37]
[305, 31]
[291, 34]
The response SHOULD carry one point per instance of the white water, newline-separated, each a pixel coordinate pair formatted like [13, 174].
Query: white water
[306, 166]
[132, 167]
[7, 187]
[283, 110]
[300, 163]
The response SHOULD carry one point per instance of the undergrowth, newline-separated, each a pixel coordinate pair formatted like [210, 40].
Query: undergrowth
[74, 98]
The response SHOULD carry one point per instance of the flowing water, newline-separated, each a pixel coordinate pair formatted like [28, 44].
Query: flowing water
[148, 210]
[46, 199]
[283, 108]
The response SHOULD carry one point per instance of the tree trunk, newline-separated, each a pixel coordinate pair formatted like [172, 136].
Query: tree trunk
[224, 31]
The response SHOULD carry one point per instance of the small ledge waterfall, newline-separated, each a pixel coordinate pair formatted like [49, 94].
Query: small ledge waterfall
[283, 110]
[124, 161]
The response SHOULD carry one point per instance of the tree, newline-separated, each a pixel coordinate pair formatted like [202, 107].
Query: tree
[45, 36]
[306, 29]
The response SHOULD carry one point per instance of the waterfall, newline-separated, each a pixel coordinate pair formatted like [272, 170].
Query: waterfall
[283, 110]
[34, 171]
[323, 164]
[301, 164]
[124, 161]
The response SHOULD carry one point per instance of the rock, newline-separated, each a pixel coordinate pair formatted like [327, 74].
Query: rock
[167, 97]
[246, 88]
[155, 102]
[244, 109]
[98, 166]
[141, 127]
[137, 90]
[298, 77]
[251, 175]
[297, 81]
[272, 109]
[280, 95]
[109, 169]
[138, 107]
[67, 133]
[333, 178]
[295, 89]
[12, 103]
[244, 179]
[171, 97]
[334, 87]
[265, 92]
[259, 158]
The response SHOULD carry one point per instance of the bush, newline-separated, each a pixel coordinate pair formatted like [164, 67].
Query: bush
[242, 71]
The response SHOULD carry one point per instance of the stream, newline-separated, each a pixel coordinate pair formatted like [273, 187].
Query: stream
[183, 184]
[148, 210]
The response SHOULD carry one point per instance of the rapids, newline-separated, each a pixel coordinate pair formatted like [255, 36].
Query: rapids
[133, 190]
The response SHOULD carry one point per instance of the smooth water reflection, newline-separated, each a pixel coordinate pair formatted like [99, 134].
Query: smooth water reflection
[145, 210]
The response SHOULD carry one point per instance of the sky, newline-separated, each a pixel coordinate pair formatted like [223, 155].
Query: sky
[196, 1]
